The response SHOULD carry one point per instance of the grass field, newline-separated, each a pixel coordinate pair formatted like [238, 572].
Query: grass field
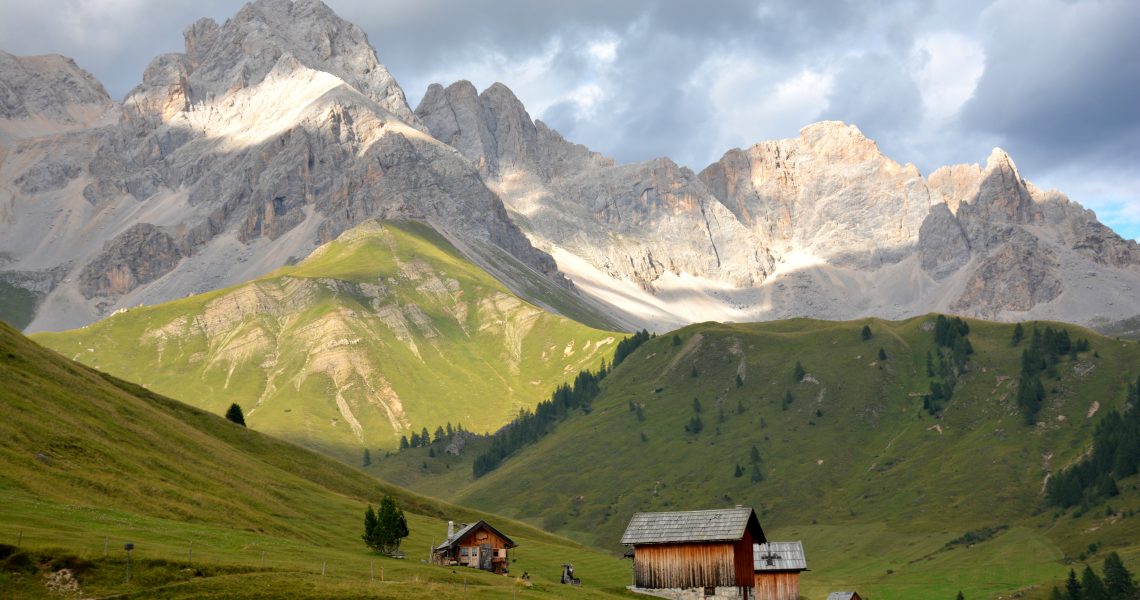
[874, 485]
[382, 333]
[214, 509]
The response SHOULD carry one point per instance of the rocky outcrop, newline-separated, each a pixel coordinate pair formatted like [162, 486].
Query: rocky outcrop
[494, 131]
[1020, 275]
[829, 192]
[137, 256]
[47, 86]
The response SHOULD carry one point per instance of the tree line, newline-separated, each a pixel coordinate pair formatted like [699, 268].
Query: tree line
[1117, 583]
[1115, 455]
[952, 349]
[531, 426]
[1041, 357]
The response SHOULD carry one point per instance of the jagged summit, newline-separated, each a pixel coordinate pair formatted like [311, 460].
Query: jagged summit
[50, 86]
[272, 133]
[280, 129]
[221, 59]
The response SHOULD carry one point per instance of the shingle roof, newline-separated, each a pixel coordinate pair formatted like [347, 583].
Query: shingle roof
[692, 526]
[779, 556]
[841, 596]
[463, 531]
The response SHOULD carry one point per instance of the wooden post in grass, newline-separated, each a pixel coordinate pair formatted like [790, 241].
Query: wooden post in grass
[324, 565]
[190, 555]
[105, 547]
[371, 572]
[20, 539]
[263, 559]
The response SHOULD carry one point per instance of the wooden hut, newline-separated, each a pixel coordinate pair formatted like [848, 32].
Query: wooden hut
[476, 545]
[843, 596]
[778, 566]
[705, 553]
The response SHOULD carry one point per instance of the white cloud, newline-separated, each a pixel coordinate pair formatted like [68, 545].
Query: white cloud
[946, 66]
[754, 100]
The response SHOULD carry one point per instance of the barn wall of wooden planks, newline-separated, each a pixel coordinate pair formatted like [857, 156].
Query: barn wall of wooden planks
[778, 586]
[685, 565]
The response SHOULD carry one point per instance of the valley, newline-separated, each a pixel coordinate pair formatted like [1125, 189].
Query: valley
[929, 377]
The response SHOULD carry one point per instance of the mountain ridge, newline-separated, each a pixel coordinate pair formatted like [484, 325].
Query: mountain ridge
[278, 129]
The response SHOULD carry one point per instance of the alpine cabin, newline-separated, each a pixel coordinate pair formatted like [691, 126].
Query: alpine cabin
[695, 554]
[778, 566]
[476, 545]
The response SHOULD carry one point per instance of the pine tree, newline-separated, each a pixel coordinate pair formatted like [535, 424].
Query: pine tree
[882, 353]
[798, 372]
[1117, 579]
[696, 406]
[404, 445]
[1018, 333]
[385, 528]
[367, 458]
[1092, 588]
[370, 531]
[961, 596]
[866, 332]
[1072, 586]
[438, 435]
[425, 437]
[234, 414]
[676, 340]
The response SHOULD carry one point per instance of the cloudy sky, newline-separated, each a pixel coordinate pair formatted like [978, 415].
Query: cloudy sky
[1054, 82]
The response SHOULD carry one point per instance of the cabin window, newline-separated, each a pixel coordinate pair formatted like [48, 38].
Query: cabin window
[502, 552]
[463, 551]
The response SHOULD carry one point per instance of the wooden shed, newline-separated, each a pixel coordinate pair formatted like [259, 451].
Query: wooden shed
[477, 545]
[843, 596]
[778, 566]
[703, 549]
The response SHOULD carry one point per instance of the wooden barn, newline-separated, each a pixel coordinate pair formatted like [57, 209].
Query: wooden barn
[476, 545]
[694, 554]
[778, 566]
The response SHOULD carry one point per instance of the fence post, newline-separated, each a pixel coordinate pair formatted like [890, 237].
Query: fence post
[104, 547]
[371, 571]
[324, 565]
[190, 555]
[263, 559]
[20, 539]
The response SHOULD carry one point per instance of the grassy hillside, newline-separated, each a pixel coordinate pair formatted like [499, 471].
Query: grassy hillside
[853, 465]
[214, 510]
[381, 333]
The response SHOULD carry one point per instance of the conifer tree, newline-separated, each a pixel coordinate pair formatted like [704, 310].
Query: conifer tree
[961, 596]
[798, 372]
[367, 457]
[1018, 333]
[404, 445]
[234, 414]
[1092, 588]
[1072, 586]
[866, 332]
[882, 353]
[385, 528]
[1117, 579]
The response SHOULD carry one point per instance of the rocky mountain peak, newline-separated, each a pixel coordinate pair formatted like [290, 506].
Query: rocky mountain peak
[221, 59]
[838, 141]
[50, 86]
[495, 132]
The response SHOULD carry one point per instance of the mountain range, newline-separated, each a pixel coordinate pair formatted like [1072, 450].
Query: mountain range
[280, 129]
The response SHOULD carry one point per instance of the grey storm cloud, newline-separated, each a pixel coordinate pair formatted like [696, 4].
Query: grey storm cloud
[1056, 81]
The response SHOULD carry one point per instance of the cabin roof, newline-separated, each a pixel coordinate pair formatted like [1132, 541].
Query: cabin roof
[470, 527]
[723, 525]
[779, 556]
[842, 595]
